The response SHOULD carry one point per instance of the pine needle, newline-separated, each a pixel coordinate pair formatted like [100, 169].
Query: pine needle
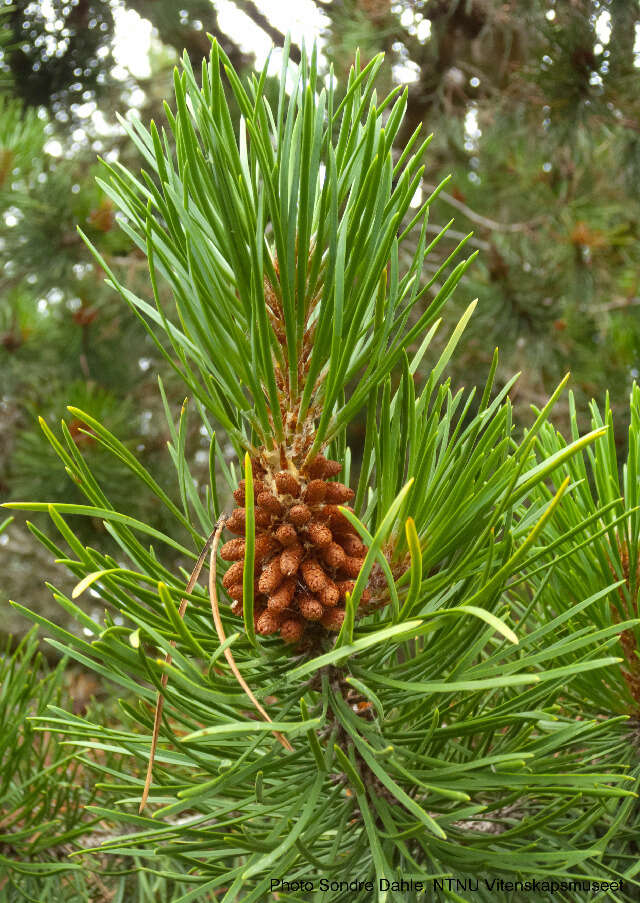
[193, 579]
[213, 595]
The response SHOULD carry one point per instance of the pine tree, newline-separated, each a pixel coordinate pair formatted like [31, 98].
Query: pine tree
[377, 700]
[534, 107]
[61, 333]
[544, 163]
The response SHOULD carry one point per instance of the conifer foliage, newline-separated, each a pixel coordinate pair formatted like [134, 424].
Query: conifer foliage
[420, 719]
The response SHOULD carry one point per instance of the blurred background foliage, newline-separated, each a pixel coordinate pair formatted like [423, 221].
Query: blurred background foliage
[535, 109]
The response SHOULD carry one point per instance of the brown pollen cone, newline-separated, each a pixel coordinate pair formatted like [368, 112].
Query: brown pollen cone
[307, 554]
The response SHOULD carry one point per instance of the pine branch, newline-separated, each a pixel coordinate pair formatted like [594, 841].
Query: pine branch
[193, 579]
[295, 304]
[249, 8]
[484, 221]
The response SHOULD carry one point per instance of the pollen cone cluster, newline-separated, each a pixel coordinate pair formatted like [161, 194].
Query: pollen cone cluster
[307, 554]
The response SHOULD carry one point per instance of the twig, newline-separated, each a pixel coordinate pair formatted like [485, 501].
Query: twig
[458, 236]
[616, 304]
[213, 595]
[251, 10]
[483, 220]
[93, 844]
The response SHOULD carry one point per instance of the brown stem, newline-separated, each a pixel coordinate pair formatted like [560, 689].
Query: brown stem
[251, 10]
[193, 579]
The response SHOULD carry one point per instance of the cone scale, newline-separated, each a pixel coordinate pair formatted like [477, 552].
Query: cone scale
[307, 554]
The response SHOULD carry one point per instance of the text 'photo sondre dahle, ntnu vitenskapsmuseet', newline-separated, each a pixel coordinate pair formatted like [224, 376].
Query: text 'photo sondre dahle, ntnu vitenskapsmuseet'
[429, 887]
